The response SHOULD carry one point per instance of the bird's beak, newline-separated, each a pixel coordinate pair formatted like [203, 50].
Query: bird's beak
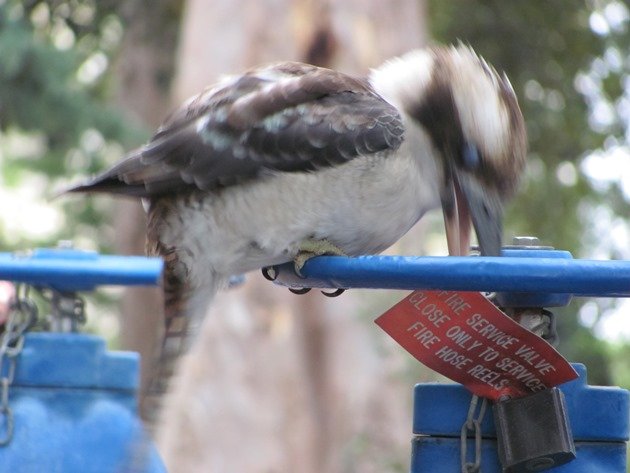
[468, 201]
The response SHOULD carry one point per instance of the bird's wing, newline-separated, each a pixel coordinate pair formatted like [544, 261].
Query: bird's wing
[287, 117]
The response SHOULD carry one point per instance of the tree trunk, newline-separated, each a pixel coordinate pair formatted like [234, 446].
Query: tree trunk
[142, 71]
[277, 382]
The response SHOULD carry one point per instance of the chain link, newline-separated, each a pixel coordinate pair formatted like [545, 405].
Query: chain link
[23, 316]
[472, 424]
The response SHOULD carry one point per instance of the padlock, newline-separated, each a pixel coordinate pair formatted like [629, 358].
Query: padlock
[533, 432]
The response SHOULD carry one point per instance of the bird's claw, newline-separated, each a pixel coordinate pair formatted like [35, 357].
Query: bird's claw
[307, 250]
[269, 273]
[299, 290]
[304, 290]
[336, 293]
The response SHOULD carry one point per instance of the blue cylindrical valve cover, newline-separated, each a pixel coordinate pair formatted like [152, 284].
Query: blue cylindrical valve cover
[599, 418]
[75, 409]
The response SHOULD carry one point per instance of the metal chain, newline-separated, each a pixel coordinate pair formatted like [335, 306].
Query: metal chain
[23, 315]
[472, 424]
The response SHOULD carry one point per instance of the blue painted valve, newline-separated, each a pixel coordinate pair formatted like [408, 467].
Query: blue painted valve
[71, 405]
[526, 279]
[73, 409]
[598, 417]
[67, 405]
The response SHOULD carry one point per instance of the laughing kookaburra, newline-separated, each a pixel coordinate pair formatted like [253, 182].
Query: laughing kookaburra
[291, 160]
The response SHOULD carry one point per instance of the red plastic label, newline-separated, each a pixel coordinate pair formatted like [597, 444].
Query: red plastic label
[465, 337]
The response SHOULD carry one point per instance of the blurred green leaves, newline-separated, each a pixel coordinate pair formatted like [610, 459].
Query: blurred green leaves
[55, 121]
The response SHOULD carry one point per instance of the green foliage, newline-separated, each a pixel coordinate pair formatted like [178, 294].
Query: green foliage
[619, 356]
[579, 344]
[54, 121]
[40, 90]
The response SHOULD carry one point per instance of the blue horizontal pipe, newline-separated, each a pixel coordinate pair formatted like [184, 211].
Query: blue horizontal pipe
[555, 275]
[73, 270]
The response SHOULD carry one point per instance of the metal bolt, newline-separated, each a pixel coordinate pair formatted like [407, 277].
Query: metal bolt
[525, 241]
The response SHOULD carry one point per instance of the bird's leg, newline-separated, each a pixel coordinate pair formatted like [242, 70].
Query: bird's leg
[310, 248]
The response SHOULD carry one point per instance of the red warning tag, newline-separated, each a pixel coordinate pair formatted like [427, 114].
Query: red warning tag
[465, 337]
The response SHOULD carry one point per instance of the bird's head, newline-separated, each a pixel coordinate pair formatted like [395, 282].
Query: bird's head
[472, 118]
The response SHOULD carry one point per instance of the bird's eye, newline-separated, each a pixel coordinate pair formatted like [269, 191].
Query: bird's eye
[470, 156]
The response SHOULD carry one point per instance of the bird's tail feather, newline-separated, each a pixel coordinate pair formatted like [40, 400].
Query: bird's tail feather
[184, 310]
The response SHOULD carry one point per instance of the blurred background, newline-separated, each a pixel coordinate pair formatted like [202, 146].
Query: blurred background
[278, 382]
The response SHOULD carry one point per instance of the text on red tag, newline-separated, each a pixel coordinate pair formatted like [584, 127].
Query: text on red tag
[466, 338]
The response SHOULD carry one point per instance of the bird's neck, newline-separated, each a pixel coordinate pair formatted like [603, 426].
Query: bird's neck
[402, 81]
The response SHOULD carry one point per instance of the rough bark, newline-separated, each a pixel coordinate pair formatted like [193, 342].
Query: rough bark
[142, 74]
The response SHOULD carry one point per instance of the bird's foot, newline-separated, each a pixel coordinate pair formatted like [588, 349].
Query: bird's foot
[310, 248]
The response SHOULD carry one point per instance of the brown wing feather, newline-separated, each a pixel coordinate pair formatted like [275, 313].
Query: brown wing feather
[289, 117]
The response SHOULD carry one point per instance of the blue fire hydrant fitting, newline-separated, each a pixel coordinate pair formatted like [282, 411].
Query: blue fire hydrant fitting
[70, 405]
[525, 277]
[74, 409]
[74, 403]
[598, 416]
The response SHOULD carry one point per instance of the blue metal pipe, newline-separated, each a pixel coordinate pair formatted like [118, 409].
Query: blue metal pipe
[73, 270]
[520, 271]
